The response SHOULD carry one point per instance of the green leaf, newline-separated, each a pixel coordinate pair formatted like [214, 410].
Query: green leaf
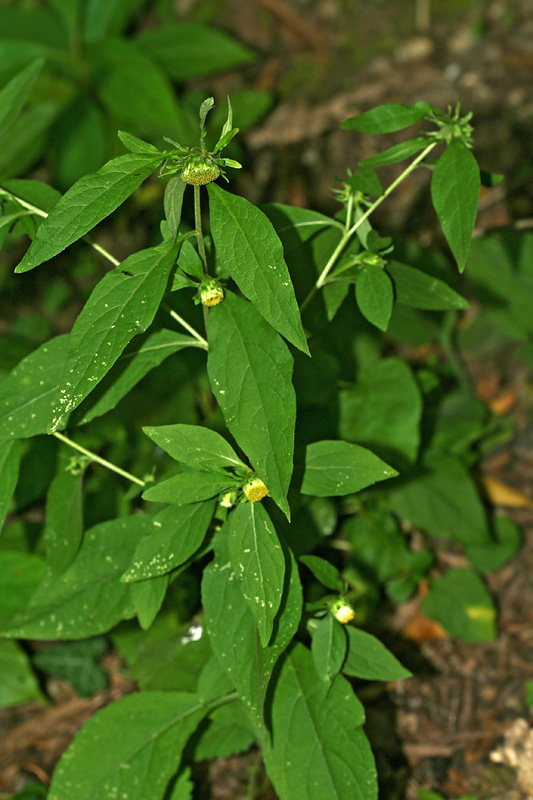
[462, 605]
[14, 94]
[317, 748]
[174, 535]
[250, 370]
[147, 597]
[195, 446]
[64, 519]
[27, 395]
[87, 203]
[131, 367]
[173, 202]
[374, 295]
[326, 573]
[388, 118]
[369, 659]
[81, 139]
[191, 50]
[397, 152]
[136, 145]
[415, 288]
[189, 487]
[328, 648]
[76, 662]
[105, 17]
[35, 192]
[455, 189]
[20, 575]
[504, 544]
[88, 598]
[249, 249]
[122, 305]
[382, 411]
[336, 468]
[258, 562]
[10, 456]
[17, 681]
[132, 747]
[233, 632]
[183, 787]
[228, 733]
[303, 221]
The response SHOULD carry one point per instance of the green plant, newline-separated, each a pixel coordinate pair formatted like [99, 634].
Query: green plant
[272, 495]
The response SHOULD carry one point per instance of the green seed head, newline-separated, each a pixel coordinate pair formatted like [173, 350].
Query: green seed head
[255, 489]
[211, 293]
[200, 168]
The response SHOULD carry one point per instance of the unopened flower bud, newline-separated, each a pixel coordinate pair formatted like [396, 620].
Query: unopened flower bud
[200, 169]
[342, 611]
[228, 499]
[211, 293]
[255, 489]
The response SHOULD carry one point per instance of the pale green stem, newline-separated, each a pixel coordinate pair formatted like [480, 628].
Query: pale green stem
[186, 325]
[99, 460]
[198, 226]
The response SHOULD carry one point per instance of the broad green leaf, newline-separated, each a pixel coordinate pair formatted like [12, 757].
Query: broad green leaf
[147, 598]
[415, 288]
[442, 500]
[106, 17]
[35, 192]
[14, 95]
[258, 562]
[174, 535]
[369, 659]
[64, 519]
[462, 605]
[326, 573]
[328, 648]
[131, 747]
[139, 358]
[455, 189]
[374, 295]
[20, 575]
[317, 748]
[189, 487]
[367, 181]
[173, 202]
[183, 787]
[233, 632]
[87, 203]
[31, 25]
[388, 118]
[195, 446]
[249, 249]
[122, 305]
[250, 370]
[336, 468]
[27, 395]
[398, 152]
[505, 541]
[383, 410]
[88, 598]
[136, 145]
[77, 663]
[10, 454]
[189, 50]
[18, 683]
[228, 732]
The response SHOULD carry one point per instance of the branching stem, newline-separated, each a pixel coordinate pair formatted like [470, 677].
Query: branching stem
[99, 460]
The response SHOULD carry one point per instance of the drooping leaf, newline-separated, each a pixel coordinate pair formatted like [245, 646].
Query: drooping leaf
[14, 94]
[337, 468]
[64, 519]
[374, 295]
[397, 152]
[326, 573]
[415, 288]
[122, 305]
[455, 189]
[77, 663]
[369, 659]
[18, 683]
[249, 249]
[328, 648]
[10, 456]
[505, 542]
[462, 605]
[195, 446]
[387, 118]
[147, 598]
[317, 748]
[87, 203]
[173, 202]
[304, 221]
[189, 487]
[258, 562]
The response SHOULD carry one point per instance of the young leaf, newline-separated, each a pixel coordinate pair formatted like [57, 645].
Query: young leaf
[87, 203]
[250, 370]
[326, 573]
[18, 684]
[258, 563]
[337, 468]
[195, 446]
[136, 145]
[10, 455]
[76, 662]
[173, 202]
[174, 535]
[369, 659]
[388, 118]
[14, 94]
[455, 189]
[132, 747]
[415, 288]
[147, 598]
[122, 305]
[329, 648]
[189, 487]
[398, 152]
[374, 295]
[317, 748]
[64, 520]
[249, 249]
[462, 605]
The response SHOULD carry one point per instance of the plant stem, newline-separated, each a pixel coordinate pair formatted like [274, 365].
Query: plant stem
[186, 325]
[99, 460]
[198, 226]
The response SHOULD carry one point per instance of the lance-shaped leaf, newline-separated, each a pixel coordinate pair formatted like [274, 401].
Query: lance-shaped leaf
[173, 202]
[233, 631]
[250, 370]
[336, 468]
[10, 455]
[258, 562]
[317, 748]
[87, 203]
[195, 446]
[248, 247]
[369, 659]
[415, 288]
[64, 519]
[326, 573]
[174, 535]
[122, 305]
[374, 295]
[129, 749]
[398, 152]
[28, 394]
[14, 94]
[329, 648]
[147, 598]
[189, 487]
[455, 189]
[388, 118]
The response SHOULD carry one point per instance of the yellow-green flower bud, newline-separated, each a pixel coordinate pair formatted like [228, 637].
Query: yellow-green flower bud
[211, 293]
[255, 489]
[200, 169]
[342, 611]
